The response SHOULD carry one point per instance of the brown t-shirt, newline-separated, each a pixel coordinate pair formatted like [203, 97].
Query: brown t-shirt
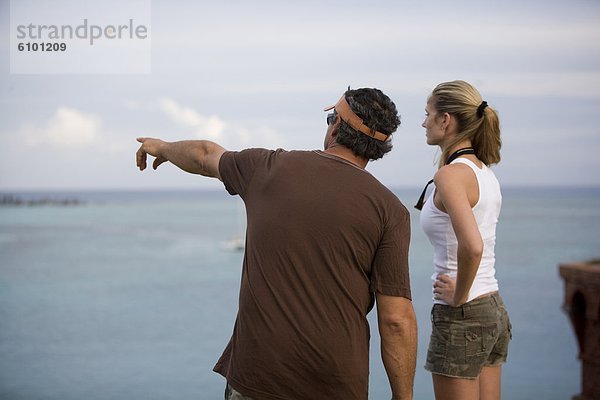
[323, 235]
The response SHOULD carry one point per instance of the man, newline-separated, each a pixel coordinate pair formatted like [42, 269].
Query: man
[324, 240]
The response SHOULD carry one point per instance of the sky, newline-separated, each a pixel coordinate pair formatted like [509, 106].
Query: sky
[258, 74]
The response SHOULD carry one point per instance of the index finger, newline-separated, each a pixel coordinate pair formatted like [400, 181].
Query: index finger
[140, 158]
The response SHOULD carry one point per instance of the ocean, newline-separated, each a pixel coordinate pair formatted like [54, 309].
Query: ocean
[133, 295]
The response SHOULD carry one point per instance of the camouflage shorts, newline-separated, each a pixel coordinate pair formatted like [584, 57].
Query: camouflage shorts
[467, 338]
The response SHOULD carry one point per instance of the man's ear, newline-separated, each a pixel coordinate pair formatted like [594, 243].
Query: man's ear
[336, 126]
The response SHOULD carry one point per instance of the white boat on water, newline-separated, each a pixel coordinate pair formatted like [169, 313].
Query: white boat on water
[236, 243]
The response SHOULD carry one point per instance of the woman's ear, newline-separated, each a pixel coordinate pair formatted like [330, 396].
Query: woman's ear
[446, 120]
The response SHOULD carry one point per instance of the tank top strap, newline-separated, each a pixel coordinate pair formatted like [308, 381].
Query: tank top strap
[471, 164]
[480, 175]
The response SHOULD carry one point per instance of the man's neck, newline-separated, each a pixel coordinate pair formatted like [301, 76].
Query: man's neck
[347, 154]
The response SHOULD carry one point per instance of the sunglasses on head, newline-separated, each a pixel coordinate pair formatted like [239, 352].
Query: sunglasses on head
[331, 117]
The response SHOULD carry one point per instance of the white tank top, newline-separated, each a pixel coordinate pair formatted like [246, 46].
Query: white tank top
[438, 228]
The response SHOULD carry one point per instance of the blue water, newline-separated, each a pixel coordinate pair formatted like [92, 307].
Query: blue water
[132, 295]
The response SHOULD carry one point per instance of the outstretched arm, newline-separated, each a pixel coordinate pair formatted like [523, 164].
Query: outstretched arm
[398, 331]
[193, 156]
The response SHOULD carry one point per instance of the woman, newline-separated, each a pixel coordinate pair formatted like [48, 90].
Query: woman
[471, 329]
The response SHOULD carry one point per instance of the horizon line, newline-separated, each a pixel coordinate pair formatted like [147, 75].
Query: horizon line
[216, 189]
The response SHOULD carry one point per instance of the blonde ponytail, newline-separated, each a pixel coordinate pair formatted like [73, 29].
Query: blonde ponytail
[487, 141]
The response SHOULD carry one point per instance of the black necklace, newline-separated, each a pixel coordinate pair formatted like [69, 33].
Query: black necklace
[452, 157]
[458, 153]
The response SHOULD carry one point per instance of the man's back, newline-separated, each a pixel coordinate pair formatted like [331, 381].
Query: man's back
[323, 235]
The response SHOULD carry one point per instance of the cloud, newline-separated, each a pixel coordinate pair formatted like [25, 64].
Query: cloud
[203, 126]
[68, 127]
[231, 134]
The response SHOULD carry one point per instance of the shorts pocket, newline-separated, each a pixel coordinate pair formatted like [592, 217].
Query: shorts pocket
[441, 328]
[480, 340]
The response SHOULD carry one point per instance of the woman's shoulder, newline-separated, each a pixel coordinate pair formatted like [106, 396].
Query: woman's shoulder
[453, 174]
[456, 182]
